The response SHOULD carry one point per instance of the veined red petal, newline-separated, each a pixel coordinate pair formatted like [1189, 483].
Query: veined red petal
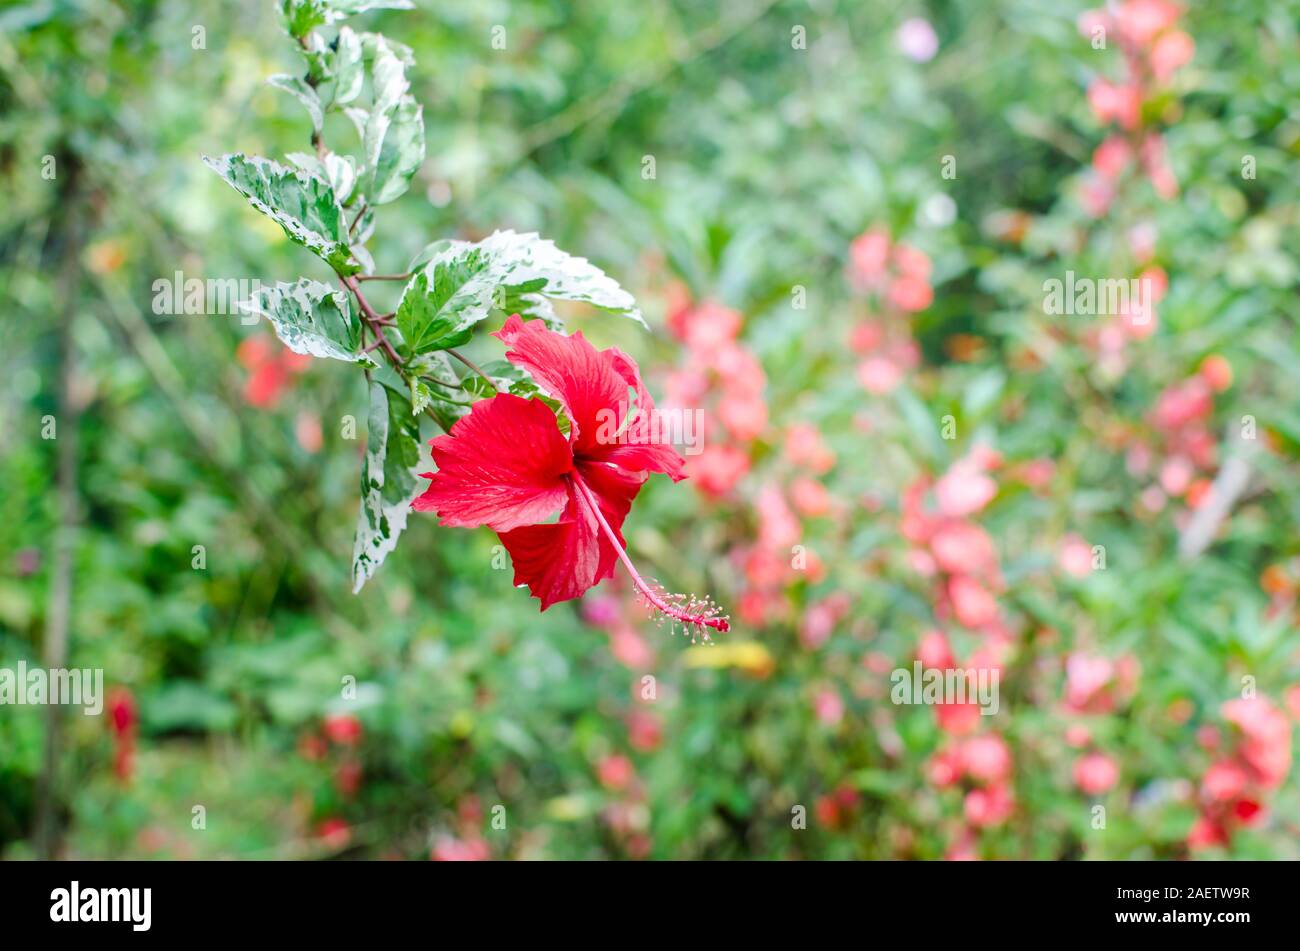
[559, 561]
[569, 368]
[646, 442]
[502, 465]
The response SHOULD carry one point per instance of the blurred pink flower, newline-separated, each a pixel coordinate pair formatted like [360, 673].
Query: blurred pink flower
[744, 415]
[971, 601]
[1076, 557]
[1077, 735]
[451, 849]
[1087, 682]
[820, 618]
[868, 254]
[961, 547]
[644, 731]
[1095, 773]
[716, 470]
[1140, 21]
[986, 758]
[706, 326]
[1224, 781]
[805, 447]
[879, 375]
[965, 488]
[1115, 102]
[1170, 53]
[810, 497]
[989, 806]
[600, 610]
[959, 719]
[778, 528]
[944, 768]
[615, 772]
[629, 648]
[829, 706]
[934, 651]
[909, 293]
[1266, 745]
[1112, 157]
[916, 40]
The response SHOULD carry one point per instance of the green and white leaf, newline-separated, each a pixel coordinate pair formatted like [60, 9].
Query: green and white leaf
[446, 401]
[302, 16]
[464, 282]
[534, 269]
[400, 152]
[312, 318]
[319, 56]
[389, 480]
[303, 204]
[393, 136]
[348, 66]
[364, 258]
[339, 170]
[429, 252]
[370, 43]
[359, 119]
[305, 94]
[338, 9]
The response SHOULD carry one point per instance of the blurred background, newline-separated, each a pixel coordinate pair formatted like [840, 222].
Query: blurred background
[838, 218]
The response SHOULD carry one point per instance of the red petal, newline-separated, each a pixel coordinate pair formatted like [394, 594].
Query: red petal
[574, 372]
[501, 466]
[614, 489]
[643, 445]
[559, 561]
[593, 387]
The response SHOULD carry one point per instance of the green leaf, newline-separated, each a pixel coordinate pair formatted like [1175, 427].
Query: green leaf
[982, 393]
[506, 377]
[444, 300]
[389, 480]
[465, 282]
[303, 16]
[304, 94]
[313, 319]
[303, 204]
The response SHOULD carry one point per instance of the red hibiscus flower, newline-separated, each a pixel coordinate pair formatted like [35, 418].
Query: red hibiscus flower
[506, 465]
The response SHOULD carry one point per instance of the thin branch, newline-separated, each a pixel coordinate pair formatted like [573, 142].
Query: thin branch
[473, 366]
[375, 322]
[58, 613]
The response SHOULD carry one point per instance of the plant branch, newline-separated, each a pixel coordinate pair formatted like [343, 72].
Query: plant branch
[473, 366]
[374, 322]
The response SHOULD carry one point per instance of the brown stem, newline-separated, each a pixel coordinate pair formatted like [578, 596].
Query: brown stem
[373, 320]
[473, 366]
[58, 612]
[361, 210]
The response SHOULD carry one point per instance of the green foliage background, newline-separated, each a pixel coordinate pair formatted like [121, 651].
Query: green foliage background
[769, 161]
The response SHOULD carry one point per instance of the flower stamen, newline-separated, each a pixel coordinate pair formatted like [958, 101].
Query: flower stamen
[696, 614]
